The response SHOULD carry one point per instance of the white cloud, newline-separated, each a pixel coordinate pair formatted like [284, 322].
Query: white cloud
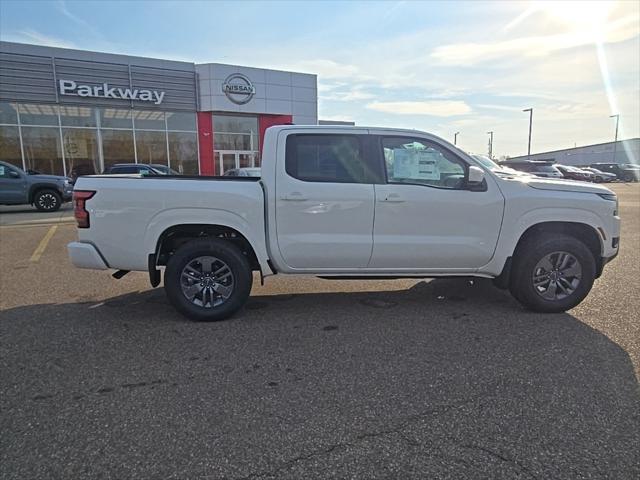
[326, 68]
[438, 108]
[350, 94]
[33, 36]
[535, 46]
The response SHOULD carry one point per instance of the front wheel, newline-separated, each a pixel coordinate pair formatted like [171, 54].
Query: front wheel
[208, 280]
[552, 275]
[47, 200]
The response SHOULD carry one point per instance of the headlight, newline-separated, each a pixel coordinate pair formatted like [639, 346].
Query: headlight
[609, 196]
[67, 182]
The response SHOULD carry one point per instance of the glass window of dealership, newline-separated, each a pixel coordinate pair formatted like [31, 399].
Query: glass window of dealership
[82, 140]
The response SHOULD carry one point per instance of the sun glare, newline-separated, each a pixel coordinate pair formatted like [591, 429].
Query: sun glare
[581, 14]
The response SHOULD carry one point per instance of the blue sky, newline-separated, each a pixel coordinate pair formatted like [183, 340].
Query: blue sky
[437, 66]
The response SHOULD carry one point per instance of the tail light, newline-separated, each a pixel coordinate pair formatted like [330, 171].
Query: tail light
[80, 198]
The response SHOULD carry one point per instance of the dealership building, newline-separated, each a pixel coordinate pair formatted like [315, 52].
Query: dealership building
[622, 151]
[74, 112]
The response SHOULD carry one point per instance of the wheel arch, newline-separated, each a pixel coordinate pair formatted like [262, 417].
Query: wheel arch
[583, 232]
[175, 236]
[38, 187]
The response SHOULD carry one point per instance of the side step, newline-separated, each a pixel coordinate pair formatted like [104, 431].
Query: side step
[119, 274]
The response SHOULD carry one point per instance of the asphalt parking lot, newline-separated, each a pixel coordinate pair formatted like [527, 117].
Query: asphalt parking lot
[314, 379]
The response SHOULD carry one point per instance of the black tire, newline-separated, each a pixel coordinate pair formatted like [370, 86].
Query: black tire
[47, 200]
[527, 258]
[226, 253]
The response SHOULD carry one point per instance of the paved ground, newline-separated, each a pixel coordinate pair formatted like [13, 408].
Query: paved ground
[314, 379]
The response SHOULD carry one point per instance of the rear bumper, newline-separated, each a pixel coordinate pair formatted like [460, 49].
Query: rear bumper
[85, 255]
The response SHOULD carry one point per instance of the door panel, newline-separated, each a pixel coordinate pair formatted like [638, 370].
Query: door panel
[12, 190]
[441, 228]
[425, 218]
[324, 225]
[324, 203]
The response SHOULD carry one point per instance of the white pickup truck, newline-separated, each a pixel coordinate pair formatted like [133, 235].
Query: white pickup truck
[349, 202]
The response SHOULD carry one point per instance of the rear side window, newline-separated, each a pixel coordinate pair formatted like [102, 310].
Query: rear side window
[329, 158]
[125, 170]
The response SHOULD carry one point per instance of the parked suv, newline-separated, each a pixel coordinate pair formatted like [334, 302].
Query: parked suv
[574, 173]
[131, 168]
[537, 168]
[600, 176]
[627, 172]
[45, 192]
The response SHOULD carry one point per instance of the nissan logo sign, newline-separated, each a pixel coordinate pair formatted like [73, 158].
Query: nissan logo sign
[238, 88]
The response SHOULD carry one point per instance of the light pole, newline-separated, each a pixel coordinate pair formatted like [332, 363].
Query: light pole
[455, 138]
[615, 141]
[490, 144]
[530, 110]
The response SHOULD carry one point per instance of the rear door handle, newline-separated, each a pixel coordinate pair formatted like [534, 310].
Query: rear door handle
[392, 197]
[294, 197]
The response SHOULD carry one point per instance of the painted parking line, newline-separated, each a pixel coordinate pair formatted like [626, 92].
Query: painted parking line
[43, 244]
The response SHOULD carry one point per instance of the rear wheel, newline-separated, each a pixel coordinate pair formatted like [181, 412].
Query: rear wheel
[208, 280]
[552, 275]
[47, 200]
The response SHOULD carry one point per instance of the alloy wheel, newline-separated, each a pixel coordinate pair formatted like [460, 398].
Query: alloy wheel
[557, 275]
[47, 201]
[207, 281]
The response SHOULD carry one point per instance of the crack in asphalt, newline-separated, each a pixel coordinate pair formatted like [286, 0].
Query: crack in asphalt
[363, 436]
[501, 457]
[398, 430]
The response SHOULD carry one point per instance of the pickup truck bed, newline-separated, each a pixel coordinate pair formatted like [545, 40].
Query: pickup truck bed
[131, 213]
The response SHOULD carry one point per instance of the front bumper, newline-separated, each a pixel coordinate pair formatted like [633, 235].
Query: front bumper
[67, 193]
[85, 255]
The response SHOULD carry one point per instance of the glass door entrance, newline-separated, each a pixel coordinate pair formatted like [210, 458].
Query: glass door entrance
[228, 159]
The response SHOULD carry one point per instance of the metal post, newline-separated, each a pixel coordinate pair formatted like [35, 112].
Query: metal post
[490, 144]
[455, 138]
[615, 141]
[530, 110]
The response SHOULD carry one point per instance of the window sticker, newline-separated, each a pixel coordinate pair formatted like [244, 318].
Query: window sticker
[402, 163]
[415, 164]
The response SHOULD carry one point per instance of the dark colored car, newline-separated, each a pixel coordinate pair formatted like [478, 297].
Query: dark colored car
[599, 176]
[163, 169]
[243, 172]
[537, 168]
[574, 173]
[131, 168]
[627, 172]
[45, 192]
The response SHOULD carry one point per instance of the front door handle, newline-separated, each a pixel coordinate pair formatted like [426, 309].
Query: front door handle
[392, 197]
[294, 197]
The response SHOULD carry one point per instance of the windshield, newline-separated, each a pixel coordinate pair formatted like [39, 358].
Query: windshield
[487, 162]
[546, 169]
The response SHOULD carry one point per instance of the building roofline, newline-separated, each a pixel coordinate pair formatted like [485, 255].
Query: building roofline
[576, 148]
[66, 52]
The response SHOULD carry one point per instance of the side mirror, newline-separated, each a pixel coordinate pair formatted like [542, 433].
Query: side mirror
[476, 177]
[14, 174]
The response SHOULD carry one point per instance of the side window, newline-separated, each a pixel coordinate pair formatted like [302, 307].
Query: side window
[124, 170]
[5, 172]
[328, 158]
[419, 161]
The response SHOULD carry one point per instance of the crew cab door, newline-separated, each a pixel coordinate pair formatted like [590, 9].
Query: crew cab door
[13, 185]
[426, 217]
[324, 200]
